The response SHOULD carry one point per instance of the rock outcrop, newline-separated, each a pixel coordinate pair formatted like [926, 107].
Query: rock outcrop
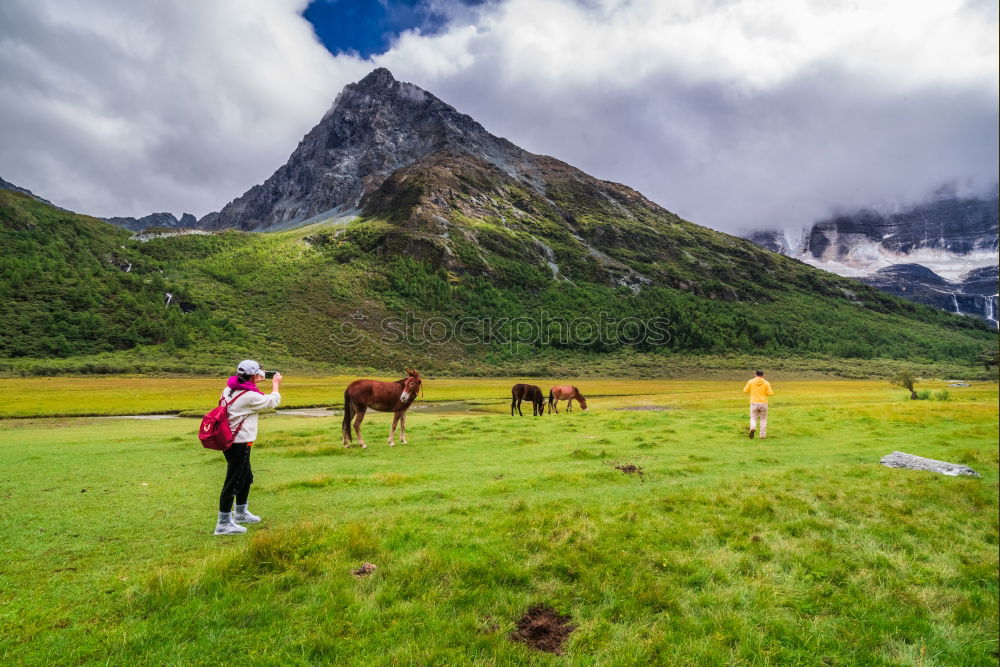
[904, 460]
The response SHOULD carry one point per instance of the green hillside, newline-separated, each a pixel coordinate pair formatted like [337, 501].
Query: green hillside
[74, 285]
[446, 238]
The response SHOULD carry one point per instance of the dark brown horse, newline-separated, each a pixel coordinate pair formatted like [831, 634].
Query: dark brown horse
[393, 397]
[566, 393]
[528, 392]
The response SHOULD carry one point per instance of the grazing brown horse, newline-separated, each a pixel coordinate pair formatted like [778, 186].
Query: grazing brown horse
[528, 392]
[566, 393]
[393, 397]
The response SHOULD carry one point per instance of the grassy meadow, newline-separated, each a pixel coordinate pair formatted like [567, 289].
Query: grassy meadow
[798, 549]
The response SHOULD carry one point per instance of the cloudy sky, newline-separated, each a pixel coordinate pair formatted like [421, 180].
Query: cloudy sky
[735, 114]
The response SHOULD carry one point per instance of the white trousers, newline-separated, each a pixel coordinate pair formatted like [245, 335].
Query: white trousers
[759, 411]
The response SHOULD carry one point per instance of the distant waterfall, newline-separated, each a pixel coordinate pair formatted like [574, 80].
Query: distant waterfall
[954, 300]
[550, 258]
[990, 309]
[170, 297]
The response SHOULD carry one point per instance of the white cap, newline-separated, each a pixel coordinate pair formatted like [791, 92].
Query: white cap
[249, 367]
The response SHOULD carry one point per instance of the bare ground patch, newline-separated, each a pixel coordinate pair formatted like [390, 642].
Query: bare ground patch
[364, 570]
[630, 469]
[543, 629]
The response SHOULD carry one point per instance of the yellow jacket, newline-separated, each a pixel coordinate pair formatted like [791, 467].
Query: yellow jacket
[759, 389]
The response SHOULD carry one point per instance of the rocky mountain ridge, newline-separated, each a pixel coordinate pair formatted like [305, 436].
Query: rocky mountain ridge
[389, 150]
[158, 220]
[7, 185]
[375, 127]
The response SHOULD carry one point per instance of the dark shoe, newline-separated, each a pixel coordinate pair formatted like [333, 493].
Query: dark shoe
[752, 431]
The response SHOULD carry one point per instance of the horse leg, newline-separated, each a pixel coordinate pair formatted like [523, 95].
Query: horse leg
[348, 414]
[569, 404]
[357, 426]
[513, 401]
[402, 427]
[392, 431]
[519, 413]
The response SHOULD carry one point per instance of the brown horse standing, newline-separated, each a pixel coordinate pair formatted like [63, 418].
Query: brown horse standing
[393, 397]
[528, 392]
[566, 393]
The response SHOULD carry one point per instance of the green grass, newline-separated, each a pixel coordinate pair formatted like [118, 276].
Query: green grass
[800, 549]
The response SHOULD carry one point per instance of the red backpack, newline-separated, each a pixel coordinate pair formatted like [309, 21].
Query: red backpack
[215, 432]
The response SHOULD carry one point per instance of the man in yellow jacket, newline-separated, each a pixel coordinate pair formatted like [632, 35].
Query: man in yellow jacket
[759, 389]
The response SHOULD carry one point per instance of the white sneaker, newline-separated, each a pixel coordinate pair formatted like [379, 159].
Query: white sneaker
[245, 517]
[225, 525]
[229, 529]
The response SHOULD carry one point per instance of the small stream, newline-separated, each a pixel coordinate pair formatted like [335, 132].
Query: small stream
[435, 407]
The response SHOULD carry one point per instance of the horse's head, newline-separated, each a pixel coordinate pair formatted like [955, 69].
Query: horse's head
[580, 398]
[411, 384]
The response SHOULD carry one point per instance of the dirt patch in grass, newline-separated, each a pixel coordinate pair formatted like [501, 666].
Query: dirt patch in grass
[364, 570]
[543, 629]
[630, 469]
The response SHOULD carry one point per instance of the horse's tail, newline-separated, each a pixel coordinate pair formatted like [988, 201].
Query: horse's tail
[552, 397]
[348, 415]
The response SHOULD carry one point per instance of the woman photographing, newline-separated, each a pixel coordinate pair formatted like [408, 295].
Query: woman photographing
[245, 402]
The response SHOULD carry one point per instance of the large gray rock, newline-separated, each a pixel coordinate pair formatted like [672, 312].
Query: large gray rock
[904, 460]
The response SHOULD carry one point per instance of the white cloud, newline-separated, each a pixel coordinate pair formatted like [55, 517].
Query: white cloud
[734, 114]
[124, 108]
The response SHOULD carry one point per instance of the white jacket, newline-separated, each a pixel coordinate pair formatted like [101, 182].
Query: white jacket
[247, 406]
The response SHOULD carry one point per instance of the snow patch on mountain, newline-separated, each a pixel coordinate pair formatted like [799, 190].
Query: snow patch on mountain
[943, 252]
[866, 257]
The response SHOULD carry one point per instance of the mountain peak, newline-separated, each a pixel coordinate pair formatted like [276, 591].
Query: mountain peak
[375, 126]
[379, 77]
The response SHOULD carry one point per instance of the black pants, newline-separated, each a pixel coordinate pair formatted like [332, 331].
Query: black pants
[239, 477]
